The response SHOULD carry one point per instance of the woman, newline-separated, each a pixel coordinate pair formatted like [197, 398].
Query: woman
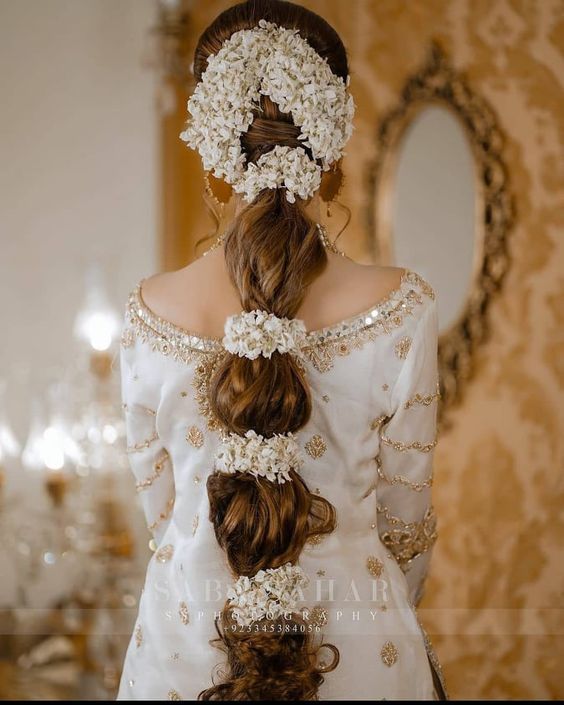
[281, 441]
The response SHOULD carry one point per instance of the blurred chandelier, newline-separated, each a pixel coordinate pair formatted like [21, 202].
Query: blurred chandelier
[169, 52]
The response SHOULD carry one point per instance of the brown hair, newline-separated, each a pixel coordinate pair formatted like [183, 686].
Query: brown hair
[273, 252]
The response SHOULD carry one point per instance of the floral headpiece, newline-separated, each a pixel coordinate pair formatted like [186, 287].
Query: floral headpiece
[271, 458]
[270, 593]
[278, 63]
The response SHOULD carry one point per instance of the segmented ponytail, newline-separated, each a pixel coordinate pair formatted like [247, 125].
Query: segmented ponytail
[273, 252]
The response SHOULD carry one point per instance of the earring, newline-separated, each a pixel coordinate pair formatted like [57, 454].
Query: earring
[331, 186]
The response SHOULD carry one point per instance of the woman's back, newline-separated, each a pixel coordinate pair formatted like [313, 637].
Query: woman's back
[367, 447]
[201, 296]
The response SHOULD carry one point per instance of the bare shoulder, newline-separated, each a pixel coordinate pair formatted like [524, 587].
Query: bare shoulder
[347, 288]
[197, 297]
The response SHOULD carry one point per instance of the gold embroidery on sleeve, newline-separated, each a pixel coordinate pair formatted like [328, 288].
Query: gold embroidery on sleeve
[163, 515]
[164, 554]
[137, 447]
[377, 422]
[401, 480]
[407, 540]
[424, 399]
[158, 466]
[138, 635]
[412, 445]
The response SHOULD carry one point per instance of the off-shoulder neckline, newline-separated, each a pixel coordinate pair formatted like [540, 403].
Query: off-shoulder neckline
[331, 331]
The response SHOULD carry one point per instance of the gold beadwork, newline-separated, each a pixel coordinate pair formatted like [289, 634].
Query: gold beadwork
[325, 398]
[138, 635]
[402, 347]
[377, 422]
[195, 437]
[128, 338]
[184, 613]
[413, 445]
[408, 540]
[321, 346]
[317, 616]
[183, 394]
[316, 446]
[137, 447]
[165, 553]
[424, 399]
[315, 540]
[197, 479]
[385, 387]
[432, 656]
[320, 573]
[389, 654]
[374, 566]
[173, 695]
[158, 466]
[202, 375]
[401, 480]
[163, 515]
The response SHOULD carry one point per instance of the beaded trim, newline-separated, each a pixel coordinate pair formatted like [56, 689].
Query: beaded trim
[321, 346]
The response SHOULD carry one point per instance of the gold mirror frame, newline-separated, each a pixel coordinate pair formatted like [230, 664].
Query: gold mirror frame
[438, 83]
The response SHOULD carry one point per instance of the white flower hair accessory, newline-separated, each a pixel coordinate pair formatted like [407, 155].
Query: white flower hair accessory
[270, 593]
[254, 333]
[271, 458]
[278, 63]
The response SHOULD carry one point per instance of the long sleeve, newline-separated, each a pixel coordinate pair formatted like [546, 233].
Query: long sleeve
[148, 458]
[406, 520]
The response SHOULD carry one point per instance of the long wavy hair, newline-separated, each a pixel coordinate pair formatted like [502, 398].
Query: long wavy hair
[273, 252]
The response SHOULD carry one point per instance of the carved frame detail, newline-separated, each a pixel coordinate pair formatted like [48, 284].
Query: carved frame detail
[437, 82]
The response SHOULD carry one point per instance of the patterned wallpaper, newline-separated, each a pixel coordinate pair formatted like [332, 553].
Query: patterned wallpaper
[494, 600]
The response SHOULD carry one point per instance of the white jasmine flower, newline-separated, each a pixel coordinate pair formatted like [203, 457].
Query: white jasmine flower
[271, 458]
[254, 333]
[273, 592]
[276, 62]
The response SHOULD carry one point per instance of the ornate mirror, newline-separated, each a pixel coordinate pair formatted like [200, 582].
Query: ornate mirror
[439, 204]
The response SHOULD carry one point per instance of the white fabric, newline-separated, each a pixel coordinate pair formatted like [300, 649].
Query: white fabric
[368, 367]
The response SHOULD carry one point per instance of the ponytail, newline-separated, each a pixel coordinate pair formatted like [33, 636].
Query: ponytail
[273, 252]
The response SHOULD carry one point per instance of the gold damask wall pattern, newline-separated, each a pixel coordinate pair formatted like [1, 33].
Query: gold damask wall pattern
[493, 603]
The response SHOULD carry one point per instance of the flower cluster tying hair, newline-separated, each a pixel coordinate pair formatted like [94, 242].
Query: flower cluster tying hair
[270, 593]
[282, 166]
[271, 458]
[278, 63]
[255, 333]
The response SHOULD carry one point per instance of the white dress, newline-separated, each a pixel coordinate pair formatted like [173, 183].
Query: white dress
[368, 450]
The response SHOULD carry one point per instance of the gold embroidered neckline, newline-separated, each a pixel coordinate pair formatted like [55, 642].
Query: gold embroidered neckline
[334, 331]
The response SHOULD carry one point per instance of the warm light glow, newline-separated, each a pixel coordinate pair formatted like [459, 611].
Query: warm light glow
[53, 449]
[97, 322]
[109, 433]
[100, 329]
